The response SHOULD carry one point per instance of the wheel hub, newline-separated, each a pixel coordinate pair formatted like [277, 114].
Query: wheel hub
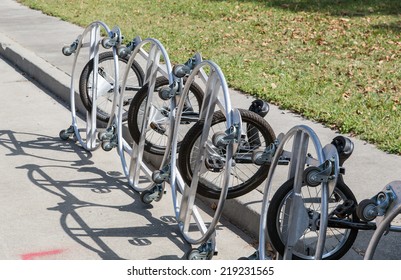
[314, 220]
[158, 128]
[214, 164]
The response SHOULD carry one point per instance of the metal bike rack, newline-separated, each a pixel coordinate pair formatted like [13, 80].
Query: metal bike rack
[157, 63]
[298, 157]
[90, 142]
[216, 97]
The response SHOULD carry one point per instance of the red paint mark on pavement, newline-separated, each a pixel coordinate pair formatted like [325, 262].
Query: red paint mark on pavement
[31, 256]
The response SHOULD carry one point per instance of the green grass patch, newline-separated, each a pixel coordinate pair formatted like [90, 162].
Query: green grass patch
[333, 61]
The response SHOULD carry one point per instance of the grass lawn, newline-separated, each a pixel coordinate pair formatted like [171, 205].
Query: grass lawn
[334, 61]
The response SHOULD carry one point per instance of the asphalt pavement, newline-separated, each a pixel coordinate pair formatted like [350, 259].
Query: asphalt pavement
[60, 202]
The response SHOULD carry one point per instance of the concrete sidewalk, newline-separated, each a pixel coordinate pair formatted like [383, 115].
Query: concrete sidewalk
[32, 42]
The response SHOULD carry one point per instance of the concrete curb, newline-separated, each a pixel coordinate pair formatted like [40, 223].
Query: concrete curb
[42, 72]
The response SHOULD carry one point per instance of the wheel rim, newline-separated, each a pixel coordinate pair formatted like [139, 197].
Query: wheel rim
[335, 237]
[157, 133]
[104, 101]
[243, 173]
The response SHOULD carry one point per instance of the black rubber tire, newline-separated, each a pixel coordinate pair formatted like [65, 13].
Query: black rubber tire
[134, 120]
[104, 106]
[258, 173]
[273, 219]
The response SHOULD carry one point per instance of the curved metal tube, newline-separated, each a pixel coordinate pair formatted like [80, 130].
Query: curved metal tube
[187, 210]
[90, 143]
[378, 233]
[302, 134]
[132, 169]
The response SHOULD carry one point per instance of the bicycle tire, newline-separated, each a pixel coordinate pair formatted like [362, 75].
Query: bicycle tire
[104, 102]
[156, 138]
[257, 173]
[338, 241]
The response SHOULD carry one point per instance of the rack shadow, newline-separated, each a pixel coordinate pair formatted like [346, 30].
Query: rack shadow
[33, 145]
[89, 216]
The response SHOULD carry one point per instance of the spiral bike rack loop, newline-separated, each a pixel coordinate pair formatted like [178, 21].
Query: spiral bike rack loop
[299, 157]
[157, 63]
[216, 98]
[113, 39]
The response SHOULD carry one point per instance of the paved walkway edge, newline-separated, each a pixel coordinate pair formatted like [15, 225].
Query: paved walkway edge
[43, 73]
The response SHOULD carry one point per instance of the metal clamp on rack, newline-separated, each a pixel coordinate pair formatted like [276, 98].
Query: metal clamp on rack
[315, 175]
[385, 206]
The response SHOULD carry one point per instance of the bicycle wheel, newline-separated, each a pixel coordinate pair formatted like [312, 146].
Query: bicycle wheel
[338, 240]
[245, 175]
[106, 83]
[157, 132]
